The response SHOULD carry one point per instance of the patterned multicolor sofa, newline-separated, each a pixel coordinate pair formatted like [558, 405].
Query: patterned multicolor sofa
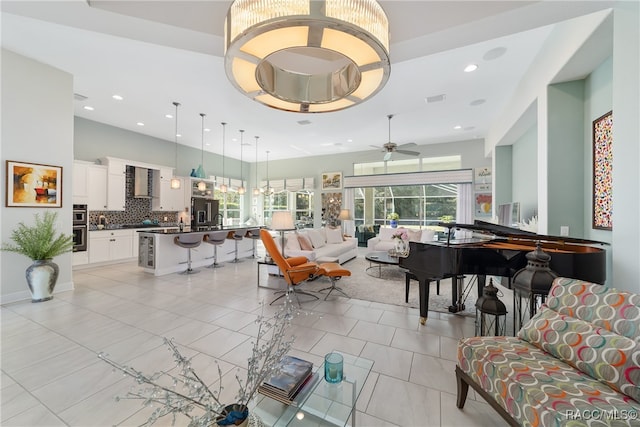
[575, 363]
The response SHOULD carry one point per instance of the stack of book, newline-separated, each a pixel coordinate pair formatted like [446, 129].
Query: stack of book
[287, 382]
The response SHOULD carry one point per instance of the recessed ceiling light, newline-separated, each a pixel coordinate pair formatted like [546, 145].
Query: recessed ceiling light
[471, 67]
[117, 97]
[169, 116]
[88, 107]
[477, 102]
[349, 140]
[140, 124]
[207, 130]
[178, 135]
[457, 127]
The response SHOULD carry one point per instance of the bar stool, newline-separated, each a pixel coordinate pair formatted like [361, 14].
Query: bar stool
[215, 238]
[253, 233]
[189, 241]
[235, 235]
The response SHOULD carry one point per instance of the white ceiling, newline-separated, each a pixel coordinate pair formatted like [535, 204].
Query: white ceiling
[155, 52]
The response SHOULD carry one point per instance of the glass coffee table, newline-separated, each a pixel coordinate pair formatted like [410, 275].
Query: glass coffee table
[380, 259]
[319, 403]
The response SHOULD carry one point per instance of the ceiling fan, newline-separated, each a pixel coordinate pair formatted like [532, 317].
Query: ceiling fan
[390, 147]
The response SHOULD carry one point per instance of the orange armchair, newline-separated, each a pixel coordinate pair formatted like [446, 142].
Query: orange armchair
[299, 269]
[295, 270]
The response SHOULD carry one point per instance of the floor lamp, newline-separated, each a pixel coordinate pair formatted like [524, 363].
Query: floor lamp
[345, 215]
[282, 221]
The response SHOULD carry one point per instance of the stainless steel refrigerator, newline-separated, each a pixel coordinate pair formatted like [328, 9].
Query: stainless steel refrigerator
[204, 213]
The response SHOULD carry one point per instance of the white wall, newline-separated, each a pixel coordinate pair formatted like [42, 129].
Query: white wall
[37, 127]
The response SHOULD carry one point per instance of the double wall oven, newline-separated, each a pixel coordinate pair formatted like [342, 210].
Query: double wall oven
[80, 225]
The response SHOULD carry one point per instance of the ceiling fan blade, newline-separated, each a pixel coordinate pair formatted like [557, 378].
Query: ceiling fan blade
[407, 145]
[387, 156]
[408, 153]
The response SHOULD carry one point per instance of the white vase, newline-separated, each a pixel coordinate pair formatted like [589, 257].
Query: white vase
[41, 279]
[401, 246]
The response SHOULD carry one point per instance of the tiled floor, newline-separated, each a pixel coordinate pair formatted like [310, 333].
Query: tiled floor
[51, 375]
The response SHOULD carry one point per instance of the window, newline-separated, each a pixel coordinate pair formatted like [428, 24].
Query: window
[417, 205]
[300, 203]
[231, 206]
[408, 165]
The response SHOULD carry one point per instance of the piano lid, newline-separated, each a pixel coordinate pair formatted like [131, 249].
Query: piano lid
[495, 231]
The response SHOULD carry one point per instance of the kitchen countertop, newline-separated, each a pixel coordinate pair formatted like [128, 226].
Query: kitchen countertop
[174, 230]
[93, 227]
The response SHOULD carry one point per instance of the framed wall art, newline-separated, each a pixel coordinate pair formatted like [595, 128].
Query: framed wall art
[332, 181]
[33, 185]
[602, 172]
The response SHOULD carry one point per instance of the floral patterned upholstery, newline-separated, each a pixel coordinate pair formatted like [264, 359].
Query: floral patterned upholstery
[578, 356]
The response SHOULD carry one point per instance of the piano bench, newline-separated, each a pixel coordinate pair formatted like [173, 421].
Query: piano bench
[408, 277]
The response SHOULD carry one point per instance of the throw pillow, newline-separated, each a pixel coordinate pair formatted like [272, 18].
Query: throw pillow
[414, 235]
[317, 239]
[599, 353]
[292, 242]
[334, 235]
[305, 243]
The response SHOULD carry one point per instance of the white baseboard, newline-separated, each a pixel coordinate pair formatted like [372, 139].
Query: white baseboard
[26, 295]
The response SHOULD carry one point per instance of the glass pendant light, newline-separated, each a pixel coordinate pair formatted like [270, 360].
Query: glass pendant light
[202, 186]
[256, 189]
[223, 186]
[241, 190]
[175, 182]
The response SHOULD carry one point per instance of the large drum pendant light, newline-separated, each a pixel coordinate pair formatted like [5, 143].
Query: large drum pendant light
[307, 56]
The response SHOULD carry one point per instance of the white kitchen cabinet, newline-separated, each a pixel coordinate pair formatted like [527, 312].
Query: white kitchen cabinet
[116, 184]
[79, 183]
[110, 245]
[97, 187]
[166, 198]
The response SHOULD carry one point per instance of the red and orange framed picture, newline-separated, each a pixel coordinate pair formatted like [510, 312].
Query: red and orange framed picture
[602, 172]
[33, 185]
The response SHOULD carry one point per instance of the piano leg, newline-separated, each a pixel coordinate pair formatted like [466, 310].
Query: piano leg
[457, 285]
[424, 286]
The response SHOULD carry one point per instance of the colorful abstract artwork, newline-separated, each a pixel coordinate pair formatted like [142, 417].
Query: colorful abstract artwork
[602, 172]
[33, 185]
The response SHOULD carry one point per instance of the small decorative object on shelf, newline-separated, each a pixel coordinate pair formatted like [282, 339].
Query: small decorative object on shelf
[184, 392]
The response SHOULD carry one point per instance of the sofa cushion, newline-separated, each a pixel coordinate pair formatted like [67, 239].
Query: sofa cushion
[599, 353]
[292, 242]
[414, 235]
[305, 243]
[334, 235]
[317, 238]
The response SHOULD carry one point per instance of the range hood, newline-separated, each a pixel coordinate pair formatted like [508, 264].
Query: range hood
[141, 183]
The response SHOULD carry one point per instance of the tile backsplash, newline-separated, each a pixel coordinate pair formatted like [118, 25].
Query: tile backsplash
[136, 209]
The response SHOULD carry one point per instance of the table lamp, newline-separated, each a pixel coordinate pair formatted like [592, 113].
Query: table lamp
[282, 221]
[345, 215]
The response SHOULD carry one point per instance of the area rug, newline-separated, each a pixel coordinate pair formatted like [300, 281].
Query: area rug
[390, 287]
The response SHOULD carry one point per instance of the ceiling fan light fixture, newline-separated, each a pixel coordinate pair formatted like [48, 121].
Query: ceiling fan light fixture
[307, 55]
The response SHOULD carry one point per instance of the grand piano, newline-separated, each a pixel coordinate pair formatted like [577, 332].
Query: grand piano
[497, 251]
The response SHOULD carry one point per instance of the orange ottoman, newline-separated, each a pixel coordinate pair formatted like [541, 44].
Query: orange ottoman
[334, 272]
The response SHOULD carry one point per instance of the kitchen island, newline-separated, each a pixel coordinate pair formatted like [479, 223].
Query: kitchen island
[159, 255]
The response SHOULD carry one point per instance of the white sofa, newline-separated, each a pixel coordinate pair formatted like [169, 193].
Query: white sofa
[384, 240]
[320, 245]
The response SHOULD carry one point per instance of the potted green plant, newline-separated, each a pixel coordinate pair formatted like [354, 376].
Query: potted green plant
[41, 244]
[393, 219]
